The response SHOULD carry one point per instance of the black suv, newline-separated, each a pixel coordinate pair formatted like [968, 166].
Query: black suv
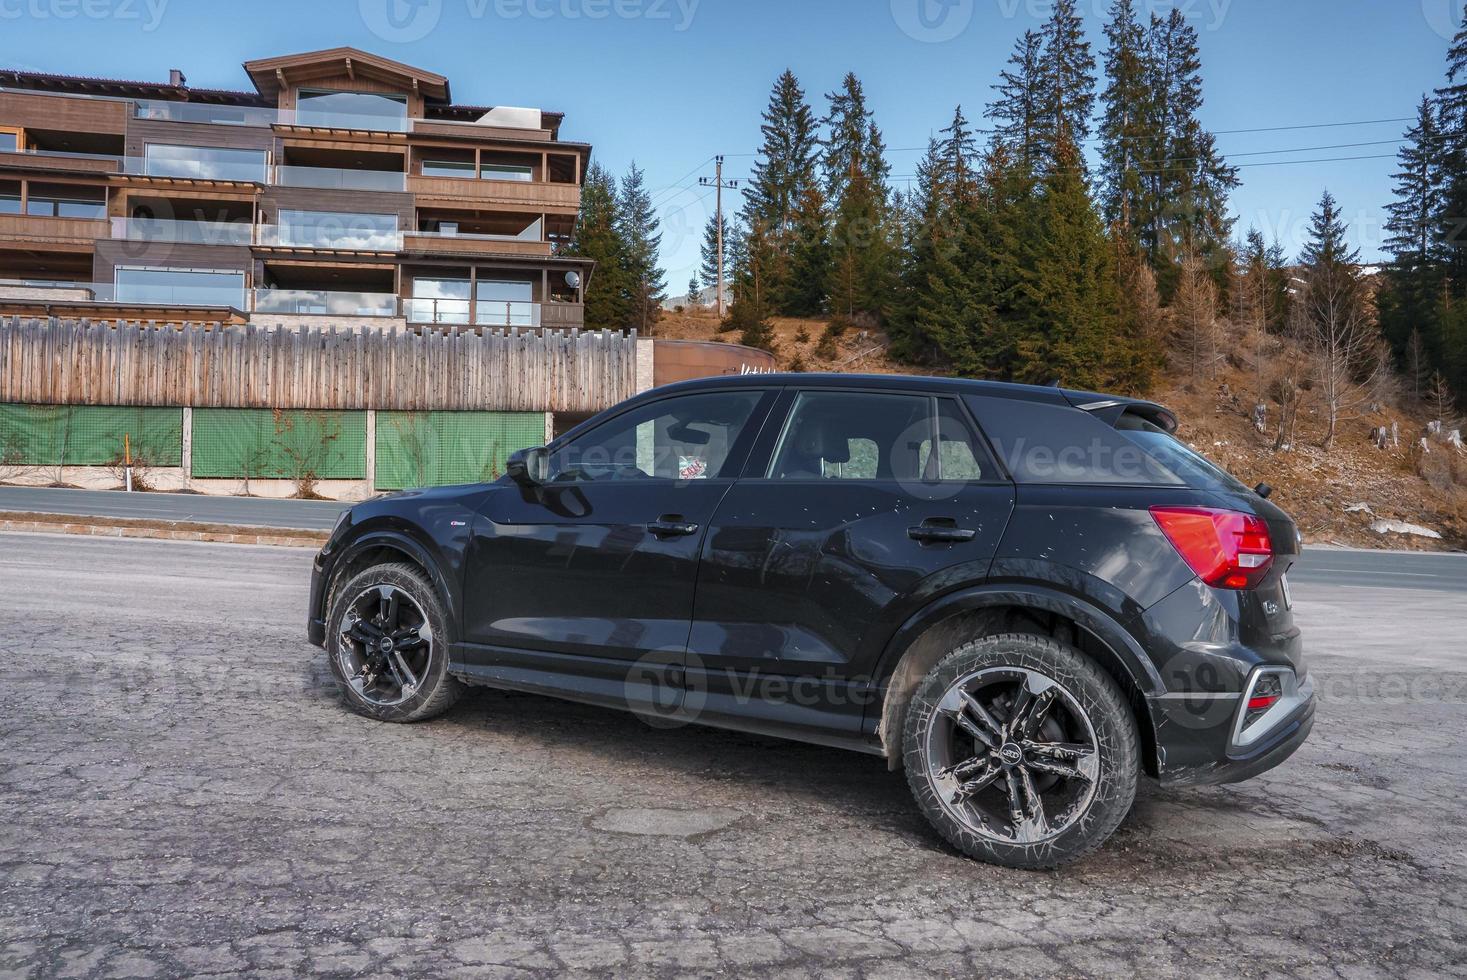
[1023, 596]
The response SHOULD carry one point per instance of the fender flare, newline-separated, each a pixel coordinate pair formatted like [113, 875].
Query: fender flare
[1103, 625]
[400, 540]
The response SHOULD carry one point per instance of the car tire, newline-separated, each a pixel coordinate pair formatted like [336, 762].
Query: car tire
[998, 821]
[423, 656]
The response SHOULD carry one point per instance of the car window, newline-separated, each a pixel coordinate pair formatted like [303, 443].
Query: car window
[683, 438]
[961, 457]
[846, 435]
[1167, 450]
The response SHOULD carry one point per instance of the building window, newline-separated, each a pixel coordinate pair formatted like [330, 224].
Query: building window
[339, 229]
[448, 168]
[438, 300]
[205, 163]
[351, 110]
[506, 171]
[56, 206]
[182, 287]
[506, 303]
[9, 140]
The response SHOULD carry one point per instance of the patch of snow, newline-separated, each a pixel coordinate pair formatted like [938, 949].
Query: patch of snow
[1401, 527]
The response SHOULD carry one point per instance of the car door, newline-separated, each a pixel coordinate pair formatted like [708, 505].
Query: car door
[591, 576]
[845, 523]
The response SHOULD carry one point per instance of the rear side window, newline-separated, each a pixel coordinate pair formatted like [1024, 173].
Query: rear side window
[1059, 444]
[1191, 467]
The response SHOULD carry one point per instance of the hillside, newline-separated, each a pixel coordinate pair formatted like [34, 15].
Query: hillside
[1316, 487]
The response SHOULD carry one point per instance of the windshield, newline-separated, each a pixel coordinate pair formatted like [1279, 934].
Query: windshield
[1167, 450]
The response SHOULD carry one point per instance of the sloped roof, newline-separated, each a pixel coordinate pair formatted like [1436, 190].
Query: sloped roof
[269, 73]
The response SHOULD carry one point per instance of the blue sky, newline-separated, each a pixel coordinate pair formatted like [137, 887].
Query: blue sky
[670, 83]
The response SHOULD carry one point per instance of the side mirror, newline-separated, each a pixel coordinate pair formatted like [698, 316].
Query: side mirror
[529, 467]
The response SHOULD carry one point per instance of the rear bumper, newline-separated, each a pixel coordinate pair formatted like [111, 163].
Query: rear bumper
[1194, 739]
[316, 612]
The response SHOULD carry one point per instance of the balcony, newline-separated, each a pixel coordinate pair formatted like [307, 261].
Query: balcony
[325, 302]
[445, 243]
[199, 112]
[42, 228]
[12, 290]
[489, 313]
[342, 238]
[507, 192]
[234, 233]
[328, 178]
[57, 160]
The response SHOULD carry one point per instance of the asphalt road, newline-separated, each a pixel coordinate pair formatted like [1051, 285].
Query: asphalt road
[1325, 566]
[182, 791]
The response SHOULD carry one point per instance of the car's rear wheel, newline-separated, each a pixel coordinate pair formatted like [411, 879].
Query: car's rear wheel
[1021, 751]
[386, 641]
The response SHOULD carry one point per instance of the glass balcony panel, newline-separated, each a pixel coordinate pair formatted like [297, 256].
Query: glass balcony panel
[496, 313]
[352, 110]
[197, 112]
[200, 163]
[329, 178]
[176, 287]
[436, 310]
[328, 302]
[183, 232]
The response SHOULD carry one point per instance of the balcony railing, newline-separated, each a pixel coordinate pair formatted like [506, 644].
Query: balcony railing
[489, 313]
[354, 239]
[182, 232]
[321, 301]
[197, 169]
[105, 292]
[328, 178]
[199, 112]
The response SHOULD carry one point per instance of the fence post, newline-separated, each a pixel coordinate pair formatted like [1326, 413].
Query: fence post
[187, 460]
[371, 453]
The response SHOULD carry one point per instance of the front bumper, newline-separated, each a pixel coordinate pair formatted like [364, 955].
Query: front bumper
[1195, 739]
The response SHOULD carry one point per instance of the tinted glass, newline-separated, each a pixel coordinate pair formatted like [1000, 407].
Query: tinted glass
[841, 435]
[1167, 450]
[9, 203]
[1060, 444]
[180, 286]
[962, 458]
[686, 438]
[506, 171]
[205, 162]
[448, 168]
[338, 229]
[352, 110]
[8, 142]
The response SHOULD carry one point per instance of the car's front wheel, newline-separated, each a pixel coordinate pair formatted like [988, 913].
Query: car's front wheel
[1021, 751]
[387, 644]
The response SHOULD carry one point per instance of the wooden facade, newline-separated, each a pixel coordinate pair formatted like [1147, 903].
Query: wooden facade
[205, 365]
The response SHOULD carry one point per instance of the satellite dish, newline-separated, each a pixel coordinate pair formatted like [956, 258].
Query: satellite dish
[573, 279]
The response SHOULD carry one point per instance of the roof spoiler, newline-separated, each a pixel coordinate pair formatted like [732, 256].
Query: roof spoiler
[1110, 409]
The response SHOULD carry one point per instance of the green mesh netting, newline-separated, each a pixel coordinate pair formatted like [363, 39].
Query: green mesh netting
[285, 444]
[429, 449]
[89, 435]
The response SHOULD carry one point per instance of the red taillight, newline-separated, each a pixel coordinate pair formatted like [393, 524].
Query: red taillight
[1263, 702]
[1226, 548]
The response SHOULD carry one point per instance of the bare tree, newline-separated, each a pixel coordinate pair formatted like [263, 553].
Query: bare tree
[1439, 397]
[1343, 337]
[1194, 313]
[1249, 311]
[1417, 365]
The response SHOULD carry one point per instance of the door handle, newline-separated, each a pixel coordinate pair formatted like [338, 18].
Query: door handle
[931, 533]
[672, 526]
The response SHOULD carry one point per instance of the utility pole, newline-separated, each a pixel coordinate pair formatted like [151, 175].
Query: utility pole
[720, 184]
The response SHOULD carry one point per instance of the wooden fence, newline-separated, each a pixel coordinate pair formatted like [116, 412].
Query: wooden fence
[85, 363]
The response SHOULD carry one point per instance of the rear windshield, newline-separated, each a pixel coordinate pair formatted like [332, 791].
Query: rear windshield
[1169, 452]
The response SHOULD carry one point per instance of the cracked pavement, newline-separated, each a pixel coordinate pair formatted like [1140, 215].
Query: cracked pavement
[183, 792]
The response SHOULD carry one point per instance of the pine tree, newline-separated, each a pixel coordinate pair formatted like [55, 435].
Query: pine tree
[708, 269]
[1066, 89]
[1069, 328]
[694, 297]
[1451, 230]
[1189, 182]
[1409, 303]
[1021, 99]
[1128, 123]
[862, 266]
[809, 257]
[641, 234]
[784, 171]
[598, 236]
